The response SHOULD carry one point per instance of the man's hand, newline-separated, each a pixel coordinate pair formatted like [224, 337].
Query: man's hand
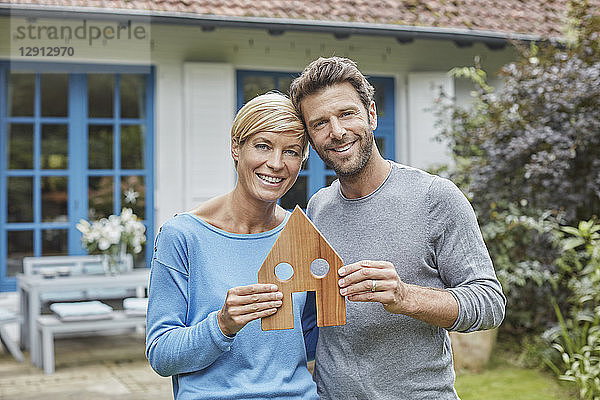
[247, 303]
[375, 281]
[378, 281]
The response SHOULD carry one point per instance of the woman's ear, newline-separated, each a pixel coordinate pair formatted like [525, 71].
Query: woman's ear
[235, 149]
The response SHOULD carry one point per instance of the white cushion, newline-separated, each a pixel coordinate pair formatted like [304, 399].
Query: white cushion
[135, 305]
[80, 309]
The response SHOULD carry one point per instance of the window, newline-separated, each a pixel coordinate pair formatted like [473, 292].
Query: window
[314, 174]
[78, 144]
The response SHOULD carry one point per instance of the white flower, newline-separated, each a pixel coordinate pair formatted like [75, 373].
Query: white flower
[131, 196]
[127, 215]
[103, 244]
[83, 226]
[107, 234]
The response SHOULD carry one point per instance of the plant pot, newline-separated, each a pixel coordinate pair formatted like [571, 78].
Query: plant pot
[472, 351]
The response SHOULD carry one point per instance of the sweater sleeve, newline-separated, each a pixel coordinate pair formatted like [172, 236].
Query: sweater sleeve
[462, 259]
[172, 347]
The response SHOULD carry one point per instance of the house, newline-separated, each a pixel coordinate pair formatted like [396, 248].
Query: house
[107, 104]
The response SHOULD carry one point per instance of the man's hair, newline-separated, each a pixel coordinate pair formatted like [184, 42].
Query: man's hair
[325, 72]
[270, 112]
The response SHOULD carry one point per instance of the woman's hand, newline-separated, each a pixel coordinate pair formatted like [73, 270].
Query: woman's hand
[247, 303]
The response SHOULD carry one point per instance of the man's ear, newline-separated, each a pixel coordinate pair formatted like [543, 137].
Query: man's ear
[373, 115]
[235, 150]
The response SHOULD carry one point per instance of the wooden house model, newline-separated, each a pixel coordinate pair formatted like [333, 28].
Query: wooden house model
[300, 244]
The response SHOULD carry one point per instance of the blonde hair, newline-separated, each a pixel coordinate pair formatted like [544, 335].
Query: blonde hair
[270, 112]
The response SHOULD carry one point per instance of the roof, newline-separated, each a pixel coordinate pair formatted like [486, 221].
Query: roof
[537, 18]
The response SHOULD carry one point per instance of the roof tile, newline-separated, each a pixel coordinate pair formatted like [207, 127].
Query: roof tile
[536, 17]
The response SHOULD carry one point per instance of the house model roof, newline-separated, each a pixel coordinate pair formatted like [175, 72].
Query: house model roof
[539, 18]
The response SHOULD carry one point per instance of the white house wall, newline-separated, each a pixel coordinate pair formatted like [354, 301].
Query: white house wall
[169, 155]
[424, 90]
[209, 105]
[195, 91]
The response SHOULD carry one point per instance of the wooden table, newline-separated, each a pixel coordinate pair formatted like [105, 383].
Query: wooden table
[31, 287]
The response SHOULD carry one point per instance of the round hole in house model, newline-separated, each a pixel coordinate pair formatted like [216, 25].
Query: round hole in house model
[319, 267]
[284, 271]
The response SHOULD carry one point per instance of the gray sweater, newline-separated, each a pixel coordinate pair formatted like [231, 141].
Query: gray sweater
[425, 226]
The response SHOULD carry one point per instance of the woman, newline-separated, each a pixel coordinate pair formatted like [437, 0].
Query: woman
[204, 310]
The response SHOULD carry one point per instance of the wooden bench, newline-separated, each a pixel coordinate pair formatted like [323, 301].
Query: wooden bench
[50, 325]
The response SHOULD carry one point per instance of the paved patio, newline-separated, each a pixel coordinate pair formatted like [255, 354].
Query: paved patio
[90, 368]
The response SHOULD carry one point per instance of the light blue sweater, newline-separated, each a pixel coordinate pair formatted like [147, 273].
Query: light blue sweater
[193, 266]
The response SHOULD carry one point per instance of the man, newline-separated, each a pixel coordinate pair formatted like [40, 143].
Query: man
[416, 265]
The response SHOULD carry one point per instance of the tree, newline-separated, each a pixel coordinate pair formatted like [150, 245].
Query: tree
[538, 138]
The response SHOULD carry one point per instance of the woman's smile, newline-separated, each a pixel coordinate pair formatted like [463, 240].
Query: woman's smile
[270, 180]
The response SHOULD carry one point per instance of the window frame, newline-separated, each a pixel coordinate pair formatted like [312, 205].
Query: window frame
[77, 170]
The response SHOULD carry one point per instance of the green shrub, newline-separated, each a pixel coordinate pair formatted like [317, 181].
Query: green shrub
[576, 339]
[527, 158]
[536, 138]
[529, 276]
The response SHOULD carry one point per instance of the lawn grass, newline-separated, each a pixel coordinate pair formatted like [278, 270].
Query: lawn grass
[506, 378]
[511, 382]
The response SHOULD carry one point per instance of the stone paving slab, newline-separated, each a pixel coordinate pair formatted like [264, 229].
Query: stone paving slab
[89, 368]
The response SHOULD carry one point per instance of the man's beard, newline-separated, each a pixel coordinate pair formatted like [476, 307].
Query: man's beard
[347, 169]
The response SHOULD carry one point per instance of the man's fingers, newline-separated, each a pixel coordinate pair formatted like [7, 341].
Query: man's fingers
[366, 286]
[380, 297]
[366, 274]
[351, 268]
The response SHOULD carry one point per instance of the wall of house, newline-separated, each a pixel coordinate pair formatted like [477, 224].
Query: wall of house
[196, 89]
